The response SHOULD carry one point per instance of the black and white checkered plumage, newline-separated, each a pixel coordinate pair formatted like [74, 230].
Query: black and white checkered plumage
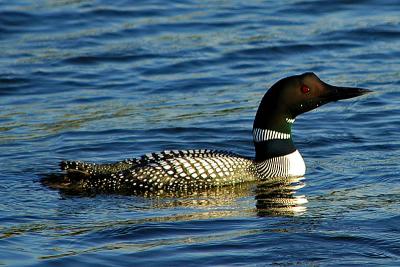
[177, 170]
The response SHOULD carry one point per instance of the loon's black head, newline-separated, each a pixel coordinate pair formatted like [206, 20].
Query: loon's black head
[294, 95]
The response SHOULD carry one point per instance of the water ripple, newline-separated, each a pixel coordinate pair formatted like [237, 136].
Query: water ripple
[90, 80]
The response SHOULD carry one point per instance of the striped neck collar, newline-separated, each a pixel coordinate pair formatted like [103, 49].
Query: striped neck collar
[272, 128]
[270, 143]
[261, 135]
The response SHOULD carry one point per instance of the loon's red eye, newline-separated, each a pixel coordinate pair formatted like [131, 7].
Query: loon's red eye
[305, 89]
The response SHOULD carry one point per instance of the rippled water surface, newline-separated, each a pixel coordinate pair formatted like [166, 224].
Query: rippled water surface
[106, 80]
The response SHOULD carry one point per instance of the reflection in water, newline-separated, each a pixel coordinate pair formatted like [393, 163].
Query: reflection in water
[274, 197]
[277, 197]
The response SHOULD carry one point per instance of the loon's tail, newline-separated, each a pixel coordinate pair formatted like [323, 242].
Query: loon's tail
[69, 183]
[76, 175]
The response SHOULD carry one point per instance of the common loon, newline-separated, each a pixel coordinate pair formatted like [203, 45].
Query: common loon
[194, 170]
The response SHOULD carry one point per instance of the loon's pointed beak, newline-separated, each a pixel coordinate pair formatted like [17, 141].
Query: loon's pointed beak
[335, 93]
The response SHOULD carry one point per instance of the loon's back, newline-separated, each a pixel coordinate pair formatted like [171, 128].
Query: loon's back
[183, 170]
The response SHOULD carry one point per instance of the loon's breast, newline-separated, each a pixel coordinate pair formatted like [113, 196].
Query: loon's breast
[290, 165]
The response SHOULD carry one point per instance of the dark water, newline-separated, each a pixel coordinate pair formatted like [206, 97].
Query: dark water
[107, 80]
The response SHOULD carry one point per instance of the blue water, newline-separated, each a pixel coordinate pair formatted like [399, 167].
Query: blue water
[106, 80]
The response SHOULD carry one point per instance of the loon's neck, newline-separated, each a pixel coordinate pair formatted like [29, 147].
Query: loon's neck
[272, 132]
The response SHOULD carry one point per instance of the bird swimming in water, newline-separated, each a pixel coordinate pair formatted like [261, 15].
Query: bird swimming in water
[195, 170]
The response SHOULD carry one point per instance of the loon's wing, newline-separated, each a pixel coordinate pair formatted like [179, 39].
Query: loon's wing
[183, 170]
